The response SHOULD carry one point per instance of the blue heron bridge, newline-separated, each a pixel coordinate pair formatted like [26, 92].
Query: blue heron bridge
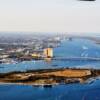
[77, 58]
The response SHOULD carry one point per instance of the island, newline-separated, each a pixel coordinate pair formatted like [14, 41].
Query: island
[49, 77]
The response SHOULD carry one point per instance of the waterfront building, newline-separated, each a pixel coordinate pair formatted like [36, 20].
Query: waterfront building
[4, 56]
[48, 52]
[36, 55]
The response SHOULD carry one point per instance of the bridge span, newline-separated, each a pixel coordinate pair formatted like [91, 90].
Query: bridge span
[77, 58]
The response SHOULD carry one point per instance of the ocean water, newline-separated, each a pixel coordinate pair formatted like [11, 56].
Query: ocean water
[75, 48]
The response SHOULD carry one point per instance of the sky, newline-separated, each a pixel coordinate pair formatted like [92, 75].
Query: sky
[50, 16]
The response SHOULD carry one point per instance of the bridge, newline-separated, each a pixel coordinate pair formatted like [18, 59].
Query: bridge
[77, 58]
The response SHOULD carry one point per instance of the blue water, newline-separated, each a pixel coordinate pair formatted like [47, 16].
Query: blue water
[78, 48]
[74, 48]
[59, 92]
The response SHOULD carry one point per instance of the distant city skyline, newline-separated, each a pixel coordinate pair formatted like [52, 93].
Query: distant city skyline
[49, 16]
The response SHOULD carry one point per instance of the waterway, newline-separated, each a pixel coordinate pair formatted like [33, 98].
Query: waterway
[74, 48]
[89, 91]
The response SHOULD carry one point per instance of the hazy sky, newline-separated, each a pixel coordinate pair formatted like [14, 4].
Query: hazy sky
[50, 15]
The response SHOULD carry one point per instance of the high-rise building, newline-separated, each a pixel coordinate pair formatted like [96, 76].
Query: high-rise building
[48, 52]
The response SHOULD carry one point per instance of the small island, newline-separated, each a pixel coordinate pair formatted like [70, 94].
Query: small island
[49, 77]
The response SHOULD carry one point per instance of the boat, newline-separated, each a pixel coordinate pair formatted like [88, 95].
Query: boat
[47, 86]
